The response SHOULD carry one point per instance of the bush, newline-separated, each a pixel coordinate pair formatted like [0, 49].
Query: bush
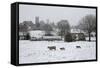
[82, 37]
[68, 38]
[27, 37]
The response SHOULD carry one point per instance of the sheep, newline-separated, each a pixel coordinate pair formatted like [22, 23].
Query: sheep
[78, 46]
[62, 48]
[52, 47]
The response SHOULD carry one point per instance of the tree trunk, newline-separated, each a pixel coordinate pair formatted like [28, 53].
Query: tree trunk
[89, 37]
[61, 36]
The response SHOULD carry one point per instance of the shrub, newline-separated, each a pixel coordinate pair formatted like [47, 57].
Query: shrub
[68, 38]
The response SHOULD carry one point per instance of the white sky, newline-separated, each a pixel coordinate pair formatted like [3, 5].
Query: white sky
[53, 13]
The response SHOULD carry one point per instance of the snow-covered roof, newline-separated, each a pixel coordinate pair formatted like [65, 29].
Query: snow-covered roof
[76, 31]
[22, 33]
[36, 33]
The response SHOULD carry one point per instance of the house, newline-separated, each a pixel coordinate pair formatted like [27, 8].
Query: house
[22, 35]
[51, 36]
[77, 34]
[36, 34]
[42, 35]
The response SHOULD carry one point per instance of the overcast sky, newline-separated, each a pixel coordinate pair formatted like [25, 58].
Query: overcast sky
[54, 14]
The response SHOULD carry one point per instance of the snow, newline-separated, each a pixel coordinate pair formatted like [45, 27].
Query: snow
[76, 31]
[38, 52]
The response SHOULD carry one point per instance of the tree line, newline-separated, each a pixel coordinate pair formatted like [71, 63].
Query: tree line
[86, 24]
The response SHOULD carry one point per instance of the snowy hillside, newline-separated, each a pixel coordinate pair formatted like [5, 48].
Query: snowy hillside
[38, 51]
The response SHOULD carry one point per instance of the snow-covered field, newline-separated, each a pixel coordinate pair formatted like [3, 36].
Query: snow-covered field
[38, 51]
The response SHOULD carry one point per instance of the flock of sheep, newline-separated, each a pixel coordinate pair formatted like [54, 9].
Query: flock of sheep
[62, 48]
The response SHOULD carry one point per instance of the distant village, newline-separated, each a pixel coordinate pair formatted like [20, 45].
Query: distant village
[40, 30]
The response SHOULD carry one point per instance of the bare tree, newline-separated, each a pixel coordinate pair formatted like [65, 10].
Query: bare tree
[23, 27]
[47, 28]
[42, 24]
[64, 27]
[88, 24]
